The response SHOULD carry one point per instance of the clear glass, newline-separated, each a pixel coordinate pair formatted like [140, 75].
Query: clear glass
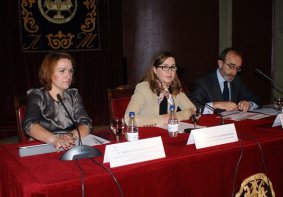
[278, 104]
[117, 126]
[195, 115]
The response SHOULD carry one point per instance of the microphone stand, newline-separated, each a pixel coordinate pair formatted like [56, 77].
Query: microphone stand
[273, 83]
[214, 111]
[80, 151]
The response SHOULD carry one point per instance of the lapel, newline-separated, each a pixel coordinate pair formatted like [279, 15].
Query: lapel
[233, 89]
[215, 89]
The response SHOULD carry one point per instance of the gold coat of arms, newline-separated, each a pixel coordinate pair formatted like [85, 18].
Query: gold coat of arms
[59, 24]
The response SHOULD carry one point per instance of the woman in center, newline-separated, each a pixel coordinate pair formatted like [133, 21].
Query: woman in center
[159, 88]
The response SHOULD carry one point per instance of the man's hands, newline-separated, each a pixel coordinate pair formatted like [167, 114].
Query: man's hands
[244, 105]
[230, 106]
[226, 105]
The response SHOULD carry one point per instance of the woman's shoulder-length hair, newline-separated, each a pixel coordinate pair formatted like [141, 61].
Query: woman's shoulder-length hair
[48, 65]
[149, 76]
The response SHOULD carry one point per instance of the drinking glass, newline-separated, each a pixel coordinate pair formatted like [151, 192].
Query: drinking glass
[195, 115]
[278, 104]
[117, 126]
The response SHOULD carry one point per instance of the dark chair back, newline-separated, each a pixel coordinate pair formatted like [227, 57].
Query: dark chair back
[20, 107]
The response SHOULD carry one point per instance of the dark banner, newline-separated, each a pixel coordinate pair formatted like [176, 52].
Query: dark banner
[59, 25]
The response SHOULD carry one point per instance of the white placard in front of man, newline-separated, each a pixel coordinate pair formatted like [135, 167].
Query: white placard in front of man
[212, 136]
[278, 121]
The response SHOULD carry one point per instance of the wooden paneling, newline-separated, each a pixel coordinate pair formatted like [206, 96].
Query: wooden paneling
[187, 28]
[252, 34]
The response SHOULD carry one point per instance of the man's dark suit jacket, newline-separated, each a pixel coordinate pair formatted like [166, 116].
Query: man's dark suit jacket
[207, 89]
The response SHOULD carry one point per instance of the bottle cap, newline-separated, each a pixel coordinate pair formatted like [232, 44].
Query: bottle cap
[131, 114]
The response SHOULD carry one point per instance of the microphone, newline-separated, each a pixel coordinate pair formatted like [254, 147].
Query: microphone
[216, 111]
[80, 151]
[273, 83]
[79, 133]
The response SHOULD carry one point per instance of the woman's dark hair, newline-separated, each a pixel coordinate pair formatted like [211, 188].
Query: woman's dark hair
[48, 66]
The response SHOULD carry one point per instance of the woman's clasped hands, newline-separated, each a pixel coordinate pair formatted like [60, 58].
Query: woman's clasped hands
[65, 141]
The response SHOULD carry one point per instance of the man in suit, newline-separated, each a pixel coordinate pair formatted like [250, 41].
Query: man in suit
[223, 89]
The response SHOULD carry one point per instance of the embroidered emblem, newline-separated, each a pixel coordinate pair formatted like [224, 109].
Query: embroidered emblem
[256, 185]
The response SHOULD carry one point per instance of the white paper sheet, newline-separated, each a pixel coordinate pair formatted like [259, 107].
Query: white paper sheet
[240, 115]
[182, 126]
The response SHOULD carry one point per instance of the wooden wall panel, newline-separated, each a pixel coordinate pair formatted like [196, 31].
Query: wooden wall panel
[187, 28]
[252, 34]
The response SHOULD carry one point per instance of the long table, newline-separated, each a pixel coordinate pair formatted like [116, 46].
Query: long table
[185, 171]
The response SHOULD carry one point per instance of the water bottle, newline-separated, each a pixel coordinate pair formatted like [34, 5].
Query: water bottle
[173, 124]
[132, 129]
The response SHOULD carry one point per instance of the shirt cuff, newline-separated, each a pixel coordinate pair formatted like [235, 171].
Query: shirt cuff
[208, 110]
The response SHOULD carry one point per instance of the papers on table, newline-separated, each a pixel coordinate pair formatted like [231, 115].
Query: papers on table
[182, 126]
[92, 140]
[266, 110]
[240, 115]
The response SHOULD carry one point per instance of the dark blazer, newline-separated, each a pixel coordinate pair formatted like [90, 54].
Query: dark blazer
[207, 89]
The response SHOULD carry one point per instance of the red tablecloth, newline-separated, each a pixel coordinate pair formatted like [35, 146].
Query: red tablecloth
[186, 171]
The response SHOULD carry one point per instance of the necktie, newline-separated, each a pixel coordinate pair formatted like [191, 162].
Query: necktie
[226, 91]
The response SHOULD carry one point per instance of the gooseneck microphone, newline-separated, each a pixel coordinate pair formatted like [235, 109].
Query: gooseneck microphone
[216, 111]
[80, 151]
[72, 120]
[275, 85]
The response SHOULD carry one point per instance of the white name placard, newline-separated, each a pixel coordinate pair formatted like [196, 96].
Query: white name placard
[211, 136]
[134, 152]
[278, 121]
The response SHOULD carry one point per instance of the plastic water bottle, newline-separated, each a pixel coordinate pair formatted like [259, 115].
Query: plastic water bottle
[132, 129]
[173, 124]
